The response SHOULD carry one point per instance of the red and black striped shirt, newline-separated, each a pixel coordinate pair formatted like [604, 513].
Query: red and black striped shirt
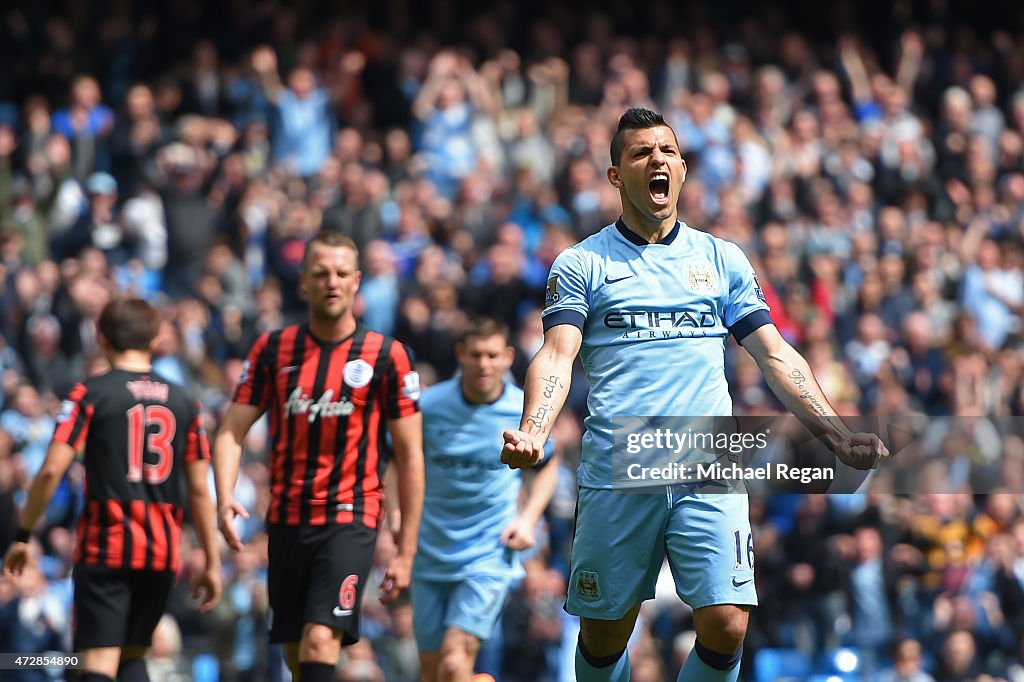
[328, 404]
[136, 431]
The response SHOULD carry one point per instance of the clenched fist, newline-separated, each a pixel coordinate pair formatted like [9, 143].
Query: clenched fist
[862, 451]
[522, 450]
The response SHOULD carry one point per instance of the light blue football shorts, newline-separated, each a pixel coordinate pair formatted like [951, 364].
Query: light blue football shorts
[472, 605]
[622, 539]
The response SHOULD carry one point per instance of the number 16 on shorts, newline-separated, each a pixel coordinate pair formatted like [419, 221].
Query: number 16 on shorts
[738, 537]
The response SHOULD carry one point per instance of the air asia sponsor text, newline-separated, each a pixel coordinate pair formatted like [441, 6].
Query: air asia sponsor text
[299, 403]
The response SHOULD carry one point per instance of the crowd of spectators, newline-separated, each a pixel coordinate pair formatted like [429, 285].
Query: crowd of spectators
[868, 158]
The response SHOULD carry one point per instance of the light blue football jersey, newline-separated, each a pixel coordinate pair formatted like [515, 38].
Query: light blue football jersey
[655, 320]
[470, 495]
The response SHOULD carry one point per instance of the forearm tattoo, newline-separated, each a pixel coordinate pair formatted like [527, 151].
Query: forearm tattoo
[798, 378]
[550, 384]
[541, 417]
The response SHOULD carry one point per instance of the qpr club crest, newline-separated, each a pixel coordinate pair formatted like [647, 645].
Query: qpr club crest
[357, 373]
[701, 278]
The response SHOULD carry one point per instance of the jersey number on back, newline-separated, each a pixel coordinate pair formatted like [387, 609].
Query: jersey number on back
[157, 441]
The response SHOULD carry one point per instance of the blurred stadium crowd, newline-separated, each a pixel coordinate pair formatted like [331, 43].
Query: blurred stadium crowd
[868, 157]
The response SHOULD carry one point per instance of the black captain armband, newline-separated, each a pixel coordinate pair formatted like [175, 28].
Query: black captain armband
[23, 535]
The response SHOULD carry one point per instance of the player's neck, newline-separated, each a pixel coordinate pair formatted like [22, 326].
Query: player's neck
[131, 361]
[332, 330]
[652, 231]
[478, 398]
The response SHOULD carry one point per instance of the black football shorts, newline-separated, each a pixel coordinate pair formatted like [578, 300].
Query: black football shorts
[317, 574]
[118, 607]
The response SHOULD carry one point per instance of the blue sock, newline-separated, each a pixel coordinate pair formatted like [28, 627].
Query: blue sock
[590, 668]
[705, 665]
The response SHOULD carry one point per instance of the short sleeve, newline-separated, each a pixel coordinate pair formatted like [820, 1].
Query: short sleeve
[254, 383]
[567, 298]
[745, 309]
[402, 385]
[197, 445]
[74, 418]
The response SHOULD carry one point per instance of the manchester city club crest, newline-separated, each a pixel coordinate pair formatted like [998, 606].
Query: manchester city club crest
[701, 278]
[587, 585]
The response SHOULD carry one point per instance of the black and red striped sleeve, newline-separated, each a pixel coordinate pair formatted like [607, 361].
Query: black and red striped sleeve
[74, 418]
[254, 384]
[402, 386]
[197, 445]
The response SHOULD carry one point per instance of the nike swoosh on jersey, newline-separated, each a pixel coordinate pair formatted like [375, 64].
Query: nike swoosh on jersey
[608, 280]
[736, 584]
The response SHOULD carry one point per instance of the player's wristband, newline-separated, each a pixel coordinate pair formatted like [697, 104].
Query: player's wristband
[23, 535]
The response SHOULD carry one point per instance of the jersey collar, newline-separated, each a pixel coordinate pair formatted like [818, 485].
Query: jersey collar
[466, 401]
[633, 237]
[324, 342]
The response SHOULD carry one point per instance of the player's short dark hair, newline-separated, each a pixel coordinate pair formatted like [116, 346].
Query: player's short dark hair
[482, 327]
[329, 238]
[635, 118]
[129, 324]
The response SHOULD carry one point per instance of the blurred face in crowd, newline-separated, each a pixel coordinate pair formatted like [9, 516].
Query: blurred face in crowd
[868, 543]
[44, 335]
[379, 259]
[908, 658]
[649, 174]
[484, 361]
[205, 56]
[330, 277]
[988, 255]
[452, 93]
[140, 103]
[958, 651]
[26, 401]
[86, 92]
[397, 146]
[102, 202]
[58, 150]
[302, 82]
[348, 145]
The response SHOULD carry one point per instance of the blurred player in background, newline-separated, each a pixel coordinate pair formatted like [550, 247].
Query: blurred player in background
[333, 391]
[473, 526]
[144, 446]
[651, 302]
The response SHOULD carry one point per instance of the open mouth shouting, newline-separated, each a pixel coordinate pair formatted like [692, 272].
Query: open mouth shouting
[659, 187]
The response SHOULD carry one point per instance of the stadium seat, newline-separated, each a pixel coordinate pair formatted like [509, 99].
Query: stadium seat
[771, 665]
[839, 661]
[205, 668]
